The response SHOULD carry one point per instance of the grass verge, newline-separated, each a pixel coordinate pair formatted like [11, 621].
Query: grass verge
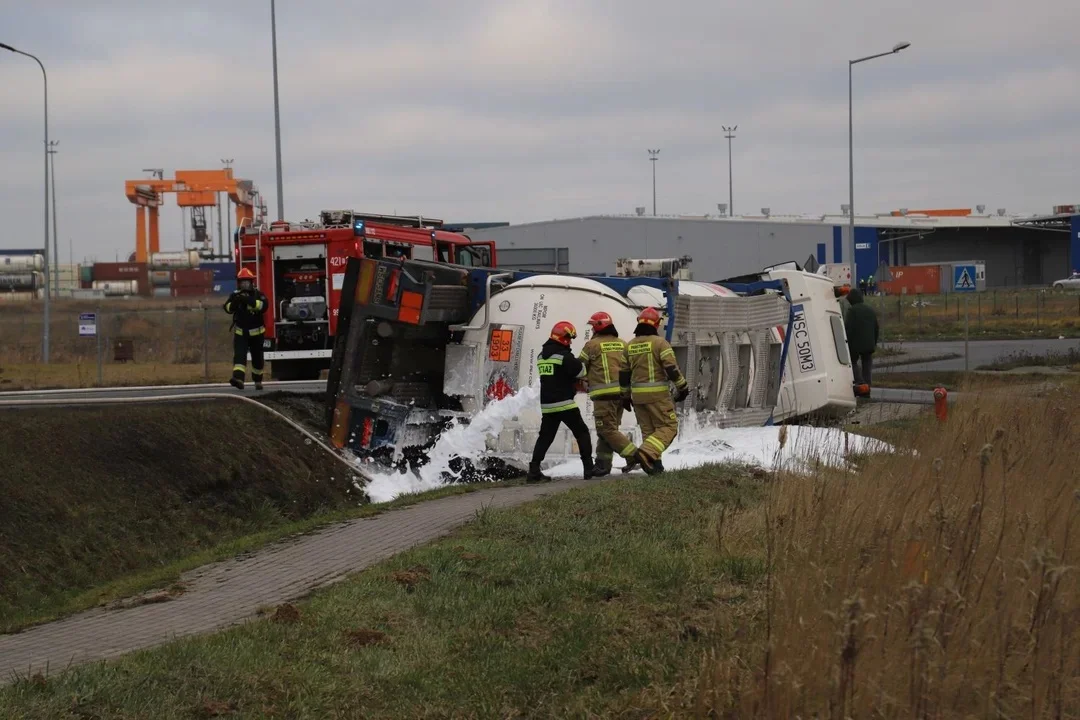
[125, 501]
[35, 376]
[936, 585]
[1023, 359]
[593, 602]
[959, 381]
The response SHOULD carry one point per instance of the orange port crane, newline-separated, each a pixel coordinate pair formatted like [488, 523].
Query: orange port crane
[196, 189]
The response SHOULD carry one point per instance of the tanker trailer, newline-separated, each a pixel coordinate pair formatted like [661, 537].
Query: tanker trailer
[422, 344]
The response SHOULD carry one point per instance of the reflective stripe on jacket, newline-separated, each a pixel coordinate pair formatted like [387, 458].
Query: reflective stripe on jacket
[247, 309]
[652, 368]
[604, 356]
[559, 373]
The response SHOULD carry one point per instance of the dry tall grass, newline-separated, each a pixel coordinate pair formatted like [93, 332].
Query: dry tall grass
[942, 584]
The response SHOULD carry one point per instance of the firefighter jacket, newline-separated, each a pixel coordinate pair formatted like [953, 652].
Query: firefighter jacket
[559, 373]
[652, 367]
[247, 308]
[604, 357]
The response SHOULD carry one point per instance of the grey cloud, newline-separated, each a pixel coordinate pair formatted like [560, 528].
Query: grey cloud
[532, 110]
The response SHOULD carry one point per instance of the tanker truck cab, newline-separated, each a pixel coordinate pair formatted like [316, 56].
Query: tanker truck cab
[817, 376]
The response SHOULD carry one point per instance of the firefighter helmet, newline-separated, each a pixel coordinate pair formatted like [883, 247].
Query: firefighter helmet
[245, 274]
[649, 316]
[600, 320]
[563, 332]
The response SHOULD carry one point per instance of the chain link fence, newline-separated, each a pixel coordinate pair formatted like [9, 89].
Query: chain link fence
[992, 314]
[134, 342]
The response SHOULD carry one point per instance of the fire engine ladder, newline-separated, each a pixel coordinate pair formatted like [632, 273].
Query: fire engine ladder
[244, 262]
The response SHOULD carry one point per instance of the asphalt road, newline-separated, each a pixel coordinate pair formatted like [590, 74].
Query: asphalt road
[23, 397]
[980, 352]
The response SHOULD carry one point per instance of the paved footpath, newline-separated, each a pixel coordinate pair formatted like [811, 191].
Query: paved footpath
[230, 592]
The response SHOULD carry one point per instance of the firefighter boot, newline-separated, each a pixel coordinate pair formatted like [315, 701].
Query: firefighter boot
[602, 466]
[236, 382]
[535, 475]
[258, 382]
[650, 466]
[588, 467]
[631, 463]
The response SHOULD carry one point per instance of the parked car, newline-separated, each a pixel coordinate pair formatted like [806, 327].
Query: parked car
[1070, 283]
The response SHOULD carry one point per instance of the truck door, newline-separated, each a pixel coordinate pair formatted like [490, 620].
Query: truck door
[476, 254]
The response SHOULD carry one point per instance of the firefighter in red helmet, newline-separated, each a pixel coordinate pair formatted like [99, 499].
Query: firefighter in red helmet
[604, 357]
[247, 304]
[561, 375]
[651, 370]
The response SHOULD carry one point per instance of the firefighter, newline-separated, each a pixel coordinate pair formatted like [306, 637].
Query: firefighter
[604, 357]
[651, 368]
[561, 375]
[247, 304]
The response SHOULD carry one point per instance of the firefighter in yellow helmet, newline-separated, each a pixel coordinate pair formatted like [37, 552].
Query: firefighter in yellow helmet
[652, 368]
[247, 305]
[604, 357]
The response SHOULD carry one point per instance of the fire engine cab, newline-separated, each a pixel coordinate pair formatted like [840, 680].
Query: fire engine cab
[301, 268]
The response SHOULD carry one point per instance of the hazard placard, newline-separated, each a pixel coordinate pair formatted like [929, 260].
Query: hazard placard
[964, 278]
[501, 345]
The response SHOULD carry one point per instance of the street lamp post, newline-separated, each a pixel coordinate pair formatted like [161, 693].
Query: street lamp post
[652, 159]
[729, 134]
[55, 231]
[851, 156]
[45, 78]
[277, 115]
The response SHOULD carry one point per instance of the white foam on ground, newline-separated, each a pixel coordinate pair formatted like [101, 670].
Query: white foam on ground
[460, 440]
[696, 445]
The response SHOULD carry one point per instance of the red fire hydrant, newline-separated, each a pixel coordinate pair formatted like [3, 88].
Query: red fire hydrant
[941, 403]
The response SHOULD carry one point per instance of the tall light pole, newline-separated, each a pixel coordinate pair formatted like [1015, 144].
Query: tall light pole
[55, 232]
[729, 134]
[851, 156]
[45, 78]
[652, 159]
[277, 115]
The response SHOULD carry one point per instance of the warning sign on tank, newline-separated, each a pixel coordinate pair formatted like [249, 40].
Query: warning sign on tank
[501, 345]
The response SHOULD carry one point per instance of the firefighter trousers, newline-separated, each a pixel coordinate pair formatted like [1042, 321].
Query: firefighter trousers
[659, 425]
[242, 345]
[549, 426]
[607, 415]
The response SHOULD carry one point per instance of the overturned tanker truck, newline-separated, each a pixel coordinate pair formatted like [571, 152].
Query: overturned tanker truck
[422, 345]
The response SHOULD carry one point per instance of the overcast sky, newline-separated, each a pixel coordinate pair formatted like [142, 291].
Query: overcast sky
[505, 110]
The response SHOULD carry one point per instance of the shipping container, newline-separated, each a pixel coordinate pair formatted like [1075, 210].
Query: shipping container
[26, 281]
[120, 271]
[912, 280]
[190, 291]
[222, 270]
[159, 278]
[192, 278]
[225, 287]
[184, 259]
[163, 291]
[87, 294]
[21, 263]
[86, 284]
[86, 273]
[113, 288]
[17, 297]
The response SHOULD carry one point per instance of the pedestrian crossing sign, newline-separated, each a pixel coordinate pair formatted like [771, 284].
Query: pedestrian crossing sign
[963, 278]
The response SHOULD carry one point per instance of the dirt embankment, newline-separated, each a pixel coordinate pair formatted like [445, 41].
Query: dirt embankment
[95, 494]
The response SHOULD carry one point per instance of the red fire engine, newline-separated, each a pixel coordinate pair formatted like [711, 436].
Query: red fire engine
[301, 266]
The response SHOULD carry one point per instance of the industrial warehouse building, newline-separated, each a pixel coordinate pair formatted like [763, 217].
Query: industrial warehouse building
[1017, 251]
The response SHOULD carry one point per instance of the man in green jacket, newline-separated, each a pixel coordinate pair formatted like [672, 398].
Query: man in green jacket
[863, 332]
